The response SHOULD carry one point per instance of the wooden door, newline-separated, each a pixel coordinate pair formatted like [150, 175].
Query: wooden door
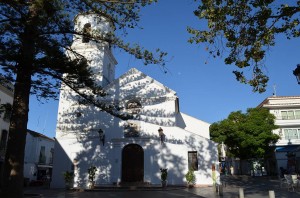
[132, 163]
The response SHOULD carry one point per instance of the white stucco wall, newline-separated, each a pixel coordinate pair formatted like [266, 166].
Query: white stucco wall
[195, 125]
[6, 96]
[77, 145]
[101, 60]
[77, 137]
[276, 105]
[32, 152]
[87, 150]
[97, 23]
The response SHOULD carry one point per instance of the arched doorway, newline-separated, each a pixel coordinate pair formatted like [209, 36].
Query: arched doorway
[132, 163]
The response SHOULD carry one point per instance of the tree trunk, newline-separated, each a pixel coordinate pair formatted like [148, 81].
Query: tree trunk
[14, 158]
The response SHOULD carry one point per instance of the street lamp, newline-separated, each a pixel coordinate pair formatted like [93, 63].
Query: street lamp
[296, 72]
[161, 135]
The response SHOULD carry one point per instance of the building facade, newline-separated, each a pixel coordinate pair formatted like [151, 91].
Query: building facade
[287, 112]
[6, 97]
[38, 159]
[134, 150]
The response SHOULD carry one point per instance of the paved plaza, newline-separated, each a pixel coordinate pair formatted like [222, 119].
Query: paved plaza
[257, 187]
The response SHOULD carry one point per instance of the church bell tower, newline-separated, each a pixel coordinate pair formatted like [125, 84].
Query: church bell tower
[98, 54]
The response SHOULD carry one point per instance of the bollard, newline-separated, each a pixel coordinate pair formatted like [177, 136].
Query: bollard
[220, 190]
[241, 192]
[271, 194]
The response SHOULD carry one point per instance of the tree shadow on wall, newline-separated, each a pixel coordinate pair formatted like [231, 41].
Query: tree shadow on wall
[78, 127]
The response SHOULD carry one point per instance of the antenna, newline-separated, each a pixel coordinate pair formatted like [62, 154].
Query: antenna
[274, 90]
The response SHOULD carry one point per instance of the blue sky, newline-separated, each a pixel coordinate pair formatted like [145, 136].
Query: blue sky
[209, 91]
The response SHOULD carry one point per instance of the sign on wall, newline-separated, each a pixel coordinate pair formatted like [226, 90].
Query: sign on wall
[131, 130]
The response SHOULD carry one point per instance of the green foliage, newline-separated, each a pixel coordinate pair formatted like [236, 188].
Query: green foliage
[247, 135]
[190, 177]
[36, 37]
[163, 174]
[68, 176]
[92, 173]
[247, 29]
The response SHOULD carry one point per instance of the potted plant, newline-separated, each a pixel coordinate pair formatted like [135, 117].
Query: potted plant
[190, 178]
[164, 176]
[92, 174]
[68, 177]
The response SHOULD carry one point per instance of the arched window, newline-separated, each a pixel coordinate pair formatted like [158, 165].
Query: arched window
[86, 33]
[133, 106]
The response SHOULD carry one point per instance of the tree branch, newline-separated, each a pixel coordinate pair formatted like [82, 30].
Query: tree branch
[90, 100]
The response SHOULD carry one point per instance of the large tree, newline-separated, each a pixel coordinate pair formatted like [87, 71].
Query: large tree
[246, 135]
[35, 36]
[243, 31]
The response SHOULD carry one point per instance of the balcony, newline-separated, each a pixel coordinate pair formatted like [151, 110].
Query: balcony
[42, 160]
[284, 142]
[287, 121]
[288, 117]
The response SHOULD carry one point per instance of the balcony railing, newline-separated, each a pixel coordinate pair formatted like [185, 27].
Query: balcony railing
[42, 159]
[296, 117]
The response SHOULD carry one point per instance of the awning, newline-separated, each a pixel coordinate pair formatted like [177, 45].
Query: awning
[293, 148]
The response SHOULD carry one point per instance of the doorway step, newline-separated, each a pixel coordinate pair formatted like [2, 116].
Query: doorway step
[133, 186]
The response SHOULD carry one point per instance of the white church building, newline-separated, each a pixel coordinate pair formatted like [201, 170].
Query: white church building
[124, 151]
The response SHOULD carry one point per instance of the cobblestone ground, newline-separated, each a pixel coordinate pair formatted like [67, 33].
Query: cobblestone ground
[257, 187]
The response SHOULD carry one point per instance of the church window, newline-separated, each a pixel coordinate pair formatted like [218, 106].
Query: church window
[192, 160]
[42, 157]
[51, 156]
[177, 105]
[86, 33]
[110, 72]
[133, 106]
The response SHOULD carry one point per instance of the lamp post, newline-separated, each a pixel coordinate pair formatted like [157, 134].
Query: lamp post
[296, 72]
[161, 135]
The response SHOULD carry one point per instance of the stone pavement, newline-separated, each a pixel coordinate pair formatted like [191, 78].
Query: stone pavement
[253, 187]
[257, 187]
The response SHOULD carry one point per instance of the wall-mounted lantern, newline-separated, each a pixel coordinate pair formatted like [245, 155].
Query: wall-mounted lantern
[101, 136]
[161, 135]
